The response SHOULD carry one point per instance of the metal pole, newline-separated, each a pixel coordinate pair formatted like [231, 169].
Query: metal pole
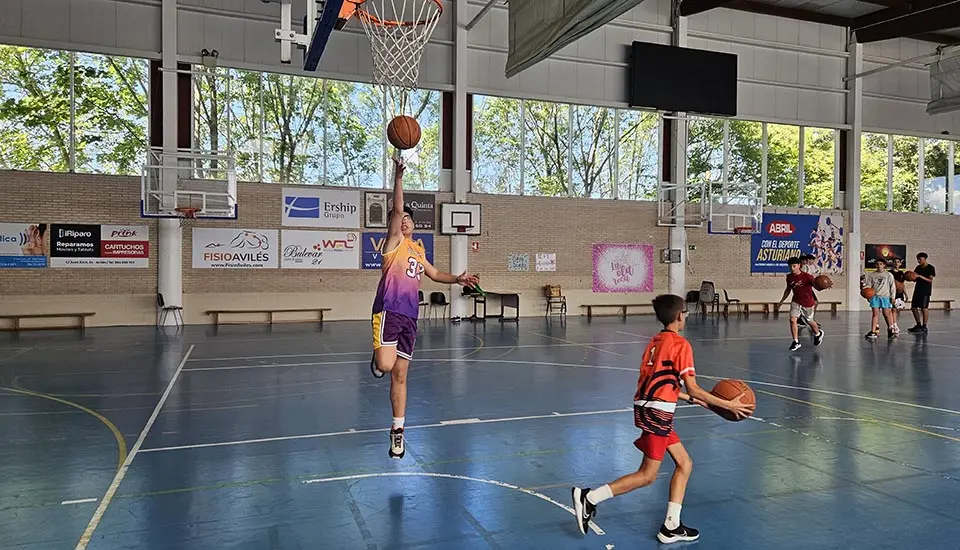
[483, 11]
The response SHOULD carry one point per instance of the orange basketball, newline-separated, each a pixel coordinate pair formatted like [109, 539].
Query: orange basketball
[910, 276]
[867, 292]
[822, 282]
[403, 132]
[729, 389]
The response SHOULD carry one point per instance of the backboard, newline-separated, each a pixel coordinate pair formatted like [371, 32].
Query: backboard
[320, 19]
[734, 207]
[174, 181]
[457, 216]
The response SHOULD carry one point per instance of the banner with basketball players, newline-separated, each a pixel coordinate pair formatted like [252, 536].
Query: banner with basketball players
[784, 236]
[372, 248]
[622, 267]
[887, 252]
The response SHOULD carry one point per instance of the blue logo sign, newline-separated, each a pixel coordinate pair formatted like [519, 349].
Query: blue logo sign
[784, 236]
[372, 249]
[301, 207]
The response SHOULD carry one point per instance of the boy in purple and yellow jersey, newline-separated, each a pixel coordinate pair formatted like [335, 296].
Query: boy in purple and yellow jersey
[397, 305]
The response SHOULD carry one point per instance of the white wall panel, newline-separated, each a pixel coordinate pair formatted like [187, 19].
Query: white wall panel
[12, 11]
[46, 20]
[138, 27]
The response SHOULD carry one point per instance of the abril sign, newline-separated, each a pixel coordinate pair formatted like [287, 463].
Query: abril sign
[784, 236]
[373, 243]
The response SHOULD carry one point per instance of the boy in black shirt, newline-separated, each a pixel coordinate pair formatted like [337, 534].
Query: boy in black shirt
[922, 291]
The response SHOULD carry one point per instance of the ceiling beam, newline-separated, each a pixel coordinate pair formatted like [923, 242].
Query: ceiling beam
[937, 38]
[693, 7]
[894, 23]
[789, 13]
[889, 3]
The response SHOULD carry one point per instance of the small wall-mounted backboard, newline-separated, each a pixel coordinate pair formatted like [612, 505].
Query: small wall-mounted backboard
[459, 218]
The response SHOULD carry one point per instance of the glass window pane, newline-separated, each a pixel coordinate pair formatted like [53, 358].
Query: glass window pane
[873, 171]
[210, 108]
[818, 165]
[906, 164]
[111, 96]
[355, 135]
[496, 145]
[547, 148]
[704, 149]
[423, 162]
[783, 164]
[935, 162]
[639, 169]
[246, 121]
[746, 152]
[593, 150]
[293, 137]
[34, 109]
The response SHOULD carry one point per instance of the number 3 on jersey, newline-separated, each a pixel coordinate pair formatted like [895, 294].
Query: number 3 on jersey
[415, 269]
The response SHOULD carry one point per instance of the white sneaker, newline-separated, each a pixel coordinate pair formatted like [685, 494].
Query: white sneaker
[396, 443]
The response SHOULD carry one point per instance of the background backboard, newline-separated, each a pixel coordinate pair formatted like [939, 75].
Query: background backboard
[454, 214]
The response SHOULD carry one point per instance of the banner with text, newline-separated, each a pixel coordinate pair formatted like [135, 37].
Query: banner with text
[373, 248]
[88, 245]
[320, 207]
[320, 249]
[424, 206]
[21, 245]
[234, 248]
[783, 236]
[623, 268]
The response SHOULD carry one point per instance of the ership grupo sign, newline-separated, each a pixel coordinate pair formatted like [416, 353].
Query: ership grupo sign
[87, 245]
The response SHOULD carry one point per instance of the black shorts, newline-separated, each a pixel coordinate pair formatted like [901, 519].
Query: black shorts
[920, 301]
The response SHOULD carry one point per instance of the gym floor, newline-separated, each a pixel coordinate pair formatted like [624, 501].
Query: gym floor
[277, 438]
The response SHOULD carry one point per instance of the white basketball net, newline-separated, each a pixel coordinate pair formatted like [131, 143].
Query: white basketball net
[398, 31]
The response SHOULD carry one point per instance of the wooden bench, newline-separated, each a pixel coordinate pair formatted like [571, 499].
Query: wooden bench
[622, 307]
[767, 306]
[269, 311]
[81, 316]
[947, 304]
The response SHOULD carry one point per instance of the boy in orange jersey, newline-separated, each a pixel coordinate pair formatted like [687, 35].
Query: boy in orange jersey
[667, 361]
[396, 306]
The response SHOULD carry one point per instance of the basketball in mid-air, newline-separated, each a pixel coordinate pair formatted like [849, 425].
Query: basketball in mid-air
[729, 389]
[403, 132]
[867, 292]
[822, 282]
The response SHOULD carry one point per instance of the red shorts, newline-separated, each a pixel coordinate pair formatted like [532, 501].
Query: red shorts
[655, 446]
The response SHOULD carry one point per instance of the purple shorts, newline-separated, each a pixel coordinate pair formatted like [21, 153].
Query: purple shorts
[396, 330]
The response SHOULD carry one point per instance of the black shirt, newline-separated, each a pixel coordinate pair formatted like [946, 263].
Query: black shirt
[897, 275]
[922, 287]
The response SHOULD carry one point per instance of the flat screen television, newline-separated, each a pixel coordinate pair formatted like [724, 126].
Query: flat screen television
[670, 78]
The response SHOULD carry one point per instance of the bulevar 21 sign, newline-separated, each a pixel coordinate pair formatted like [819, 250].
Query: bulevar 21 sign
[784, 236]
[87, 245]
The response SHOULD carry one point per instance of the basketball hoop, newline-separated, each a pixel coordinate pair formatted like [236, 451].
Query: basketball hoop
[743, 232]
[186, 213]
[398, 31]
[462, 228]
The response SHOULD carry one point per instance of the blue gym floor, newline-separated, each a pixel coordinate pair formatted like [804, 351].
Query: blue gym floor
[277, 438]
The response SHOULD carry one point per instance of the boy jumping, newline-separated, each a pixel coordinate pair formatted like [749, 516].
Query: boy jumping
[803, 304]
[667, 361]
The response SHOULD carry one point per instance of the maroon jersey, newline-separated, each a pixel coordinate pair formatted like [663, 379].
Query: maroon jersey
[802, 286]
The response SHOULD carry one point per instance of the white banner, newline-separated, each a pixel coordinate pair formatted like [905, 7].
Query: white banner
[320, 249]
[320, 207]
[234, 248]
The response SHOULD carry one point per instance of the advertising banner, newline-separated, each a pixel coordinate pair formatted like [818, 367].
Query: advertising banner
[320, 249]
[21, 245]
[372, 248]
[89, 245]
[623, 268]
[424, 206]
[234, 248]
[320, 207]
[783, 236]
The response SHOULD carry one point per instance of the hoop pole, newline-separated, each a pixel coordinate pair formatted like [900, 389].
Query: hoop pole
[483, 11]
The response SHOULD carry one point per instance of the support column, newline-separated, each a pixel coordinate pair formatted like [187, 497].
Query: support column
[459, 244]
[676, 272]
[169, 242]
[851, 196]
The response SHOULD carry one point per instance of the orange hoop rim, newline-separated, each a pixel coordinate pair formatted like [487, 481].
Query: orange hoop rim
[743, 229]
[188, 212]
[364, 14]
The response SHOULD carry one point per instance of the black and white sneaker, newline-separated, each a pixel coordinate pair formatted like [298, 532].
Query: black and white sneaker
[917, 328]
[680, 534]
[377, 373]
[397, 449]
[872, 335]
[818, 338]
[583, 509]
[794, 346]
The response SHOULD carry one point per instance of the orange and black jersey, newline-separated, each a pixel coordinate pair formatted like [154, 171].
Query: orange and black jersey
[667, 358]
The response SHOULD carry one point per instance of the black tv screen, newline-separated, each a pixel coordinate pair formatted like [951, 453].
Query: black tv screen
[669, 78]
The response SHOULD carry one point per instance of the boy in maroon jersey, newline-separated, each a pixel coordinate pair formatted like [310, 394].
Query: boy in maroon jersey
[803, 304]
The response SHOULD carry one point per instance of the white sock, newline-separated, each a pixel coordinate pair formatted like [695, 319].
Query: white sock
[397, 422]
[600, 494]
[673, 516]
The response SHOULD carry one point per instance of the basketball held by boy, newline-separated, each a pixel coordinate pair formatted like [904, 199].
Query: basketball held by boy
[667, 362]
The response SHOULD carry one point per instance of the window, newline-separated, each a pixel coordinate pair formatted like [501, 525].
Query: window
[246, 124]
[873, 171]
[546, 147]
[906, 162]
[783, 164]
[745, 152]
[593, 150]
[423, 166]
[818, 167]
[638, 169]
[935, 164]
[497, 149]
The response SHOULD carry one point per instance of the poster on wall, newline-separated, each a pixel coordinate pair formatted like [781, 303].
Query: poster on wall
[623, 267]
[372, 248]
[873, 252]
[88, 245]
[320, 249]
[320, 207]
[546, 262]
[783, 236]
[376, 209]
[518, 262]
[21, 245]
[424, 206]
[234, 248]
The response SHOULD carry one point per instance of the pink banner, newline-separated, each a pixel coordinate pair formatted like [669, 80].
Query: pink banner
[623, 268]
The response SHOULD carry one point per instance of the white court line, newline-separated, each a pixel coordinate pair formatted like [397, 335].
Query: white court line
[593, 526]
[78, 501]
[588, 346]
[112, 490]
[352, 431]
